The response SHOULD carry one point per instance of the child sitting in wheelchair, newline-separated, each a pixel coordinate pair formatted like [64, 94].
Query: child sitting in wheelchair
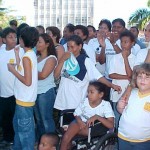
[92, 109]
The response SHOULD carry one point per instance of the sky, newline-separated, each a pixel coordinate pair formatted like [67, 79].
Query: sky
[109, 9]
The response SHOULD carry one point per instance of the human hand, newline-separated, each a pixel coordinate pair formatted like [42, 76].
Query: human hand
[113, 37]
[117, 88]
[90, 121]
[122, 103]
[11, 67]
[125, 53]
[101, 36]
[65, 56]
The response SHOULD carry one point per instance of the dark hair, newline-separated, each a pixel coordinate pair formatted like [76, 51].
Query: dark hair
[51, 48]
[20, 27]
[41, 27]
[121, 21]
[30, 36]
[135, 27]
[70, 27]
[13, 23]
[100, 87]
[107, 22]
[83, 29]
[55, 31]
[54, 138]
[129, 34]
[78, 41]
[90, 26]
[6, 31]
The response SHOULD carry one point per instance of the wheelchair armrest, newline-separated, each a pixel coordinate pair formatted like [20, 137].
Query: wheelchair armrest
[67, 111]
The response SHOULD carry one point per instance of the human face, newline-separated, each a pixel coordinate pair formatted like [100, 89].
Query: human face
[51, 35]
[91, 32]
[147, 33]
[103, 27]
[41, 45]
[143, 83]
[134, 31]
[126, 43]
[117, 28]
[74, 48]
[94, 95]
[67, 33]
[80, 34]
[45, 144]
[10, 40]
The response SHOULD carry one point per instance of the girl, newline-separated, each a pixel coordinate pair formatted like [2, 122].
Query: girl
[46, 93]
[54, 33]
[91, 109]
[134, 124]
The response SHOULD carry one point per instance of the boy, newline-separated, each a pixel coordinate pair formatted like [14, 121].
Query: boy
[25, 90]
[121, 69]
[49, 141]
[7, 79]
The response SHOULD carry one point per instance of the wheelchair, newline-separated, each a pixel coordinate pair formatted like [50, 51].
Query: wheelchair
[99, 137]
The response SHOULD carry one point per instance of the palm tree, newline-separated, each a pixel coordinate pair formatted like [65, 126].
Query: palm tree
[140, 17]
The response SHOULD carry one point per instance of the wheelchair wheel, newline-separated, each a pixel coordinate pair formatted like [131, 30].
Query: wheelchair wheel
[107, 142]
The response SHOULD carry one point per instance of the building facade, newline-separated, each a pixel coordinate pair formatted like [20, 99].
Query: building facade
[61, 12]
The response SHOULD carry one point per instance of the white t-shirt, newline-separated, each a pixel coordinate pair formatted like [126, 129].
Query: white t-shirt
[7, 79]
[117, 66]
[94, 44]
[134, 124]
[141, 56]
[72, 90]
[47, 83]
[22, 92]
[85, 111]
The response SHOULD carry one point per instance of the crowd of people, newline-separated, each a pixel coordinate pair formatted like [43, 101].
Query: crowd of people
[102, 74]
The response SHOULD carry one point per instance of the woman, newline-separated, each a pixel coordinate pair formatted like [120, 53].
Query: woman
[47, 62]
[54, 33]
[73, 85]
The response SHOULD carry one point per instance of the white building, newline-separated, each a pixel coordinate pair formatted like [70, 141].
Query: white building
[61, 12]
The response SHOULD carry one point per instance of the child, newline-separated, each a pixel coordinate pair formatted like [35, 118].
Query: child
[134, 124]
[91, 109]
[7, 80]
[25, 90]
[49, 141]
[120, 71]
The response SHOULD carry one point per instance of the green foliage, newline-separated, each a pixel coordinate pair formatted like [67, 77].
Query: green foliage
[5, 17]
[140, 18]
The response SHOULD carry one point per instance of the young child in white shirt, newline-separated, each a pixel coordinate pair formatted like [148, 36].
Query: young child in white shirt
[91, 109]
[134, 124]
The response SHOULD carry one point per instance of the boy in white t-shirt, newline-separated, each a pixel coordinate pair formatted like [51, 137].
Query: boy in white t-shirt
[7, 79]
[121, 69]
[25, 90]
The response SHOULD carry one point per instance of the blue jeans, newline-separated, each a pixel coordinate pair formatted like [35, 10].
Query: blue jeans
[117, 115]
[23, 124]
[44, 112]
[125, 145]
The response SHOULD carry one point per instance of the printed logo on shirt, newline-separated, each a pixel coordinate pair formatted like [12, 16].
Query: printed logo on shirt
[147, 106]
